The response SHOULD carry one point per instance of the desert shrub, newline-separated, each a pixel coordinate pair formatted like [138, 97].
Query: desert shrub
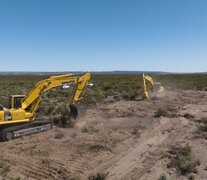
[192, 176]
[160, 113]
[50, 109]
[4, 169]
[181, 159]
[74, 178]
[92, 97]
[89, 129]
[183, 81]
[188, 116]
[85, 129]
[59, 136]
[165, 177]
[202, 129]
[107, 86]
[121, 86]
[74, 135]
[136, 132]
[98, 176]
[62, 117]
[204, 122]
[97, 147]
[14, 178]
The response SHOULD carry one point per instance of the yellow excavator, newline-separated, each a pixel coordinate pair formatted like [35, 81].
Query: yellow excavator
[149, 86]
[19, 118]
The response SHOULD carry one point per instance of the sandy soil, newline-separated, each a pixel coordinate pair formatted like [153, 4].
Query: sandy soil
[122, 139]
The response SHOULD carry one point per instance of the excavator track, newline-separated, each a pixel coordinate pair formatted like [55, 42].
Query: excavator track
[17, 131]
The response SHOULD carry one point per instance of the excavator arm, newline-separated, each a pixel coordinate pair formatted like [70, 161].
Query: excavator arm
[32, 99]
[148, 84]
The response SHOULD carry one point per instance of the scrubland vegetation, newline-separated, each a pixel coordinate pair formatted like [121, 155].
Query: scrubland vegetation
[107, 88]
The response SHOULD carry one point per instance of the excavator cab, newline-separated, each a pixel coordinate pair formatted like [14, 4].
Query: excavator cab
[15, 101]
[158, 87]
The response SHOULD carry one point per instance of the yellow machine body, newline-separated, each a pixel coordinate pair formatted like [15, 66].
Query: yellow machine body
[150, 86]
[22, 107]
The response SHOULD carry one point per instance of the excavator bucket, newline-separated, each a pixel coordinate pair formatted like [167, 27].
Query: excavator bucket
[73, 111]
[68, 116]
[77, 111]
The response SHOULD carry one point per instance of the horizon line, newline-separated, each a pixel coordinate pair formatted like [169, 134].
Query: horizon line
[105, 71]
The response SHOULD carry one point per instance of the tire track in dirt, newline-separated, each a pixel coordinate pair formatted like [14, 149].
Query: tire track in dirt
[141, 155]
[135, 156]
[47, 172]
[131, 152]
[122, 164]
[33, 169]
[76, 163]
[80, 164]
[181, 135]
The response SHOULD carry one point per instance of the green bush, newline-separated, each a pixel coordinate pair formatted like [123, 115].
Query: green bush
[89, 129]
[15, 178]
[202, 129]
[160, 113]
[181, 159]
[136, 132]
[165, 177]
[98, 176]
[58, 136]
[4, 169]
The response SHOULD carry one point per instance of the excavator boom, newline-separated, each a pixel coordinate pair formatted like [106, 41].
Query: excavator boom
[55, 81]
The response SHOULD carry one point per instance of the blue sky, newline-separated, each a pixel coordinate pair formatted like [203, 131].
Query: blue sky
[70, 35]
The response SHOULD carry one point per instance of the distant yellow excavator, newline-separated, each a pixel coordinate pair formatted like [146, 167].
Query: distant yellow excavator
[150, 86]
[18, 120]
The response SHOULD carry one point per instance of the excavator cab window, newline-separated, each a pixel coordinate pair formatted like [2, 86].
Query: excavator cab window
[15, 102]
[1, 107]
[157, 87]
